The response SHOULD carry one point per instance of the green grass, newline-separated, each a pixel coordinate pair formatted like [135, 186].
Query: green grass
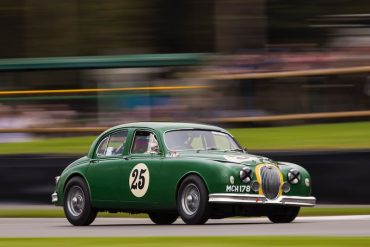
[305, 137]
[58, 212]
[318, 211]
[249, 241]
[66, 145]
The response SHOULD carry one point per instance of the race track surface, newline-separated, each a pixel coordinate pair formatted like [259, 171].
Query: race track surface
[103, 227]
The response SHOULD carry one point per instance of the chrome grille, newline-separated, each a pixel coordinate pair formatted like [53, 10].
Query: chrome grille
[270, 179]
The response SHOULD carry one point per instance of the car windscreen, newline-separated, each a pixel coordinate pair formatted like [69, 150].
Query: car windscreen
[181, 140]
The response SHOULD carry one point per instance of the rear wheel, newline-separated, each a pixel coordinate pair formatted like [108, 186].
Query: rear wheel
[284, 214]
[192, 201]
[77, 203]
[163, 218]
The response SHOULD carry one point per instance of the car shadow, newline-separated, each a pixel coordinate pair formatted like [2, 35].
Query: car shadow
[149, 225]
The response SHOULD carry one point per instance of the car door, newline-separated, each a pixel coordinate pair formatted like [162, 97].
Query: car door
[105, 172]
[144, 176]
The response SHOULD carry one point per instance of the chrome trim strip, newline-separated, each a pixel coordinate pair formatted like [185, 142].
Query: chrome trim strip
[302, 201]
[54, 197]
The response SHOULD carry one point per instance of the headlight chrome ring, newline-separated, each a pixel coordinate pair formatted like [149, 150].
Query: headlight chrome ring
[246, 174]
[255, 186]
[294, 176]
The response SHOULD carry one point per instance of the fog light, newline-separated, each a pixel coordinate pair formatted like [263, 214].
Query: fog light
[294, 176]
[255, 186]
[286, 187]
[246, 174]
[307, 182]
[232, 180]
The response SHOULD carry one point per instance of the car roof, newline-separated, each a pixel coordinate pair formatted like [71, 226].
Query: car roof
[165, 126]
[159, 126]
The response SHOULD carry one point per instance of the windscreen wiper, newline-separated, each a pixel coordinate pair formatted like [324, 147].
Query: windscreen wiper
[207, 149]
[236, 150]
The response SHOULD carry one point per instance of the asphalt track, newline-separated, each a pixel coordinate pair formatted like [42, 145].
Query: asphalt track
[129, 227]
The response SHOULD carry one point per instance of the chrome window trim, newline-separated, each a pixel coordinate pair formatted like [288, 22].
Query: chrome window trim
[133, 139]
[96, 151]
[109, 136]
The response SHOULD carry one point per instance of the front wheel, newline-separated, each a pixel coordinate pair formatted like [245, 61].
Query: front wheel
[77, 203]
[192, 201]
[163, 218]
[284, 214]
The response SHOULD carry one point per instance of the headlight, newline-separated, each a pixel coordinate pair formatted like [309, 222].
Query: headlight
[294, 176]
[246, 174]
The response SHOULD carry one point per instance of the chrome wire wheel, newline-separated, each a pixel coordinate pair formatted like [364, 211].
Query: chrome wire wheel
[76, 201]
[77, 204]
[190, 199]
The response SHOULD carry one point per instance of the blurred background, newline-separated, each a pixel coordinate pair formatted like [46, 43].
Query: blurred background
[290, 79]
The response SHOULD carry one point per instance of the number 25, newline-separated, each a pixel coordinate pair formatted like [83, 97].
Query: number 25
[139, 179]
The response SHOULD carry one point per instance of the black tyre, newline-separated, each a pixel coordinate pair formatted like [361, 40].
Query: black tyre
[163, 218]
[192, 201]
[284, 214]
[77, 203]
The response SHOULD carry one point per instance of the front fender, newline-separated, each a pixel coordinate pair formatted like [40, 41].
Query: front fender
[216, 176]
[74, 169]
[304, 187]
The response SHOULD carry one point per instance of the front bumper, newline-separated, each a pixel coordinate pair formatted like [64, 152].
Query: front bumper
[302, 201]
[54, 197]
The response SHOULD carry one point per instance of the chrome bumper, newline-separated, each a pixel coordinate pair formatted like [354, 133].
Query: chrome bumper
[302, 201]
[54, 197]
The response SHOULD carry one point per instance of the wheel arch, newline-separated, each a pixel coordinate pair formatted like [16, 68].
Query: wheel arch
[187, 175]
[73, 175]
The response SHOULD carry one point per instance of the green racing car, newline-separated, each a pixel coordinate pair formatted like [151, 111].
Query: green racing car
[168, 170]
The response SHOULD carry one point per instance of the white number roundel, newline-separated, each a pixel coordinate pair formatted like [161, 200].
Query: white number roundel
[139, 180]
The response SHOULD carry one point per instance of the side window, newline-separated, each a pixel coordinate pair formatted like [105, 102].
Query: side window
[145, 142]
[112, 145]
[116, 143]
[153, 145]
[102, 147]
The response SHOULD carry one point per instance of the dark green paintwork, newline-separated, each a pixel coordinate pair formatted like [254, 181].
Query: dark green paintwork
[108, 181]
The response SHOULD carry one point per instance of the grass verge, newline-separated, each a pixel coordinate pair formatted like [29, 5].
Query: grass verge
[354, 135]
[189, 241]
[58, 212]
